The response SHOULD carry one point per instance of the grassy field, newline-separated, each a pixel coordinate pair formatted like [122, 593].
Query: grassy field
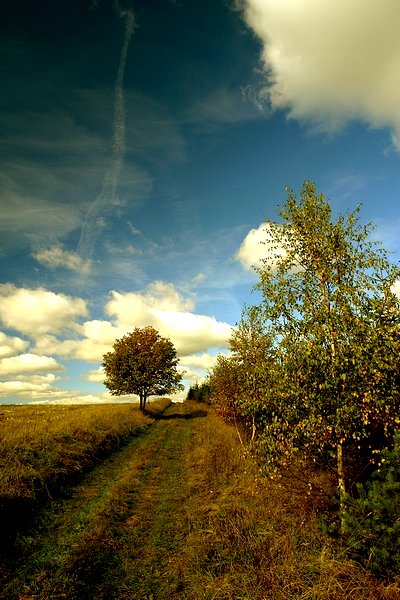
[44, 447]
[178, 511]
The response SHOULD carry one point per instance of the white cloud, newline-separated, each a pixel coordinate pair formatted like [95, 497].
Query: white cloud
[252, 250]
[46, 317]
[43, 393]
[202, 361]
[28, 384]
[9, 345]
[332, 61]
[87, 349]
[396, 288]
[162, 307]
[257, 247]
[101, 331]
[28, 363]
[96, 375]
[159, 295]
[38, 311]
[193, 333]
[55, 256]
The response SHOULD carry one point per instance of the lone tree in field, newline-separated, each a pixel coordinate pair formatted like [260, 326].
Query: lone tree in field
[142, 363]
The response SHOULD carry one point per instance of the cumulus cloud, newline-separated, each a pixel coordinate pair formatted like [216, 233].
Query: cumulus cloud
[165, 309]
[28, 363]
[257, 247]
[95, 375]
[46, 317]
[160, 306]
[38, 311]
[9, 345]
[159, 295]
[396, 288]
[328, 62]
[55, 256]
[87, 349]
[27, 385]
[195, 367]
[44, 393]
[203, 361]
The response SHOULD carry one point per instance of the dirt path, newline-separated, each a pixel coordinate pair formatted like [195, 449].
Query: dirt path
[118, 533]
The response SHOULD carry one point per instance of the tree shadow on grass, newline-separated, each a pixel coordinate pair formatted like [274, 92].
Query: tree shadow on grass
[194, 414]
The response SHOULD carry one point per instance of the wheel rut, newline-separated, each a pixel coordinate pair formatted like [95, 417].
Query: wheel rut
[117, 532]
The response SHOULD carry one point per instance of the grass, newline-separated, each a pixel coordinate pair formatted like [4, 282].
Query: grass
[183, 512]
[44, 447]
[252, 538]
[111, 537]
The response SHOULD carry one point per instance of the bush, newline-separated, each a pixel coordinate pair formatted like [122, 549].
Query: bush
[372, 520]
[199, 393]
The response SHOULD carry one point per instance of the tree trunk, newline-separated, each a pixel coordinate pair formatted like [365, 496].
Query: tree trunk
[341, 483]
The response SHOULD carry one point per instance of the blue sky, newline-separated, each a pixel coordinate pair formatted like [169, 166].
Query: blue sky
[145, 143]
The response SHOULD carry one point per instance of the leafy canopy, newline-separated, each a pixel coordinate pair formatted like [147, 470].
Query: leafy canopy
[143, 363]
[314, 367]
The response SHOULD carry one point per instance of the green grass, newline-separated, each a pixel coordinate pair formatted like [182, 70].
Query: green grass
[113, 535]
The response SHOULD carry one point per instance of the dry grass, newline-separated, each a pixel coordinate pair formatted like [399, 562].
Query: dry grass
[252, 538]
[190, 498]
[44, 446]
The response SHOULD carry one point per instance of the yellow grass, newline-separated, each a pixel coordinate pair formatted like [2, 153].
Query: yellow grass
[41, 446]
[253, 538]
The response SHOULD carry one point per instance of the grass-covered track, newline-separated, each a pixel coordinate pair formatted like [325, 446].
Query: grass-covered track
[182, 512]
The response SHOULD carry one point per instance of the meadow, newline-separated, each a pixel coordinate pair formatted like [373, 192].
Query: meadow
[166, 505]
[43, 447]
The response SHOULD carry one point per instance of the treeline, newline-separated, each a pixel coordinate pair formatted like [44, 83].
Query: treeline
[199, 392]
[313, 375]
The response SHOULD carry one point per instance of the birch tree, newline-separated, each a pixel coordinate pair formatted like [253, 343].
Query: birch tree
[329, 309]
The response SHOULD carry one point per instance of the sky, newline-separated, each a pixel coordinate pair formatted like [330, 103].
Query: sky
[145, 143]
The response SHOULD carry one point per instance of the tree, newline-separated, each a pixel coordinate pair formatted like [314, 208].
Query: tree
[142, 363]
[333, 321]
[314, 368]
[199, 392]
[255, 362]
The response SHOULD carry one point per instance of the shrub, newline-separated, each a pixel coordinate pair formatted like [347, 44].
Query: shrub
[372, 521]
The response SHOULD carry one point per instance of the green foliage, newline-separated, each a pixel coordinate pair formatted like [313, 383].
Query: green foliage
[241, 383]
[314, 370]
[372, 520]
[199, 393]
[142, 363]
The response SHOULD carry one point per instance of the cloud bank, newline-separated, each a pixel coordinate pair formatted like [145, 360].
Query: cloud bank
[165, 309]
[38, 311]
[57, 327]
[332, 61]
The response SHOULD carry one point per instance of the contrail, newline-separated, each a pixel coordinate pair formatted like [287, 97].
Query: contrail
[95, 220]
